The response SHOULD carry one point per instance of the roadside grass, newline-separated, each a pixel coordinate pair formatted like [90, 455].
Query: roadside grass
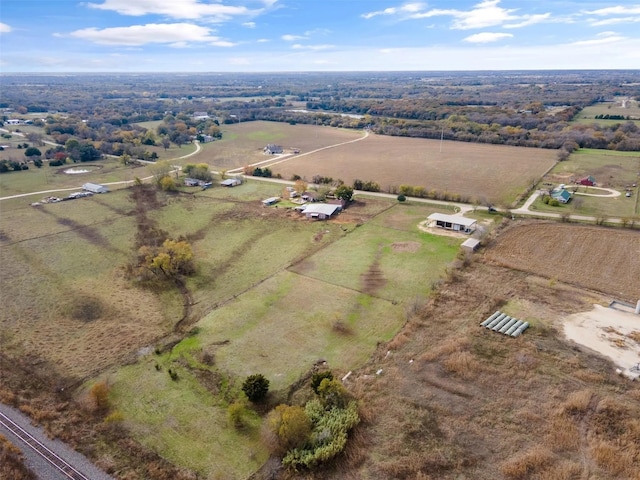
[183, 421]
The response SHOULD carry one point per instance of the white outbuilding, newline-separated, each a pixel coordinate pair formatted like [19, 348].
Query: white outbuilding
[95, 188]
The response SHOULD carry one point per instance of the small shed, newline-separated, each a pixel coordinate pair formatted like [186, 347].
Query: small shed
[94, 188]
[230, 182]
[589, 181]
[456, 223]
[270, 201]
[192, 182]
[471, 244]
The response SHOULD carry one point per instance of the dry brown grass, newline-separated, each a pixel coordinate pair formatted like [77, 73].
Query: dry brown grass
[563, 470]
[614, 460]
[577, 402]
[461, 363]
[11, 464]
[563, 434]
[525, 464]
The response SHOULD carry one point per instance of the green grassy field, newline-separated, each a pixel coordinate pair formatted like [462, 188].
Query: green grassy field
[277, 319]
[587, 114]
[611, 169]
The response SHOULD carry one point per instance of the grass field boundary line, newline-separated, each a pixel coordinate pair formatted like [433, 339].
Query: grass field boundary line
[16, 242]
[392, 302]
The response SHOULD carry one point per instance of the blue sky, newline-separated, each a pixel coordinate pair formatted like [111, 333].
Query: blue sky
[316, 35]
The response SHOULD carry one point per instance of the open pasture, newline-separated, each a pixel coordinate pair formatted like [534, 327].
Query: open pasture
[631, 109]
[611, 169]
[493, 173]
[581, 262]
[388, 258]
[242, 144]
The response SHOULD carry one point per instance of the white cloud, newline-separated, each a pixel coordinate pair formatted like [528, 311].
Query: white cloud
[263, 40]
[292, 38]
[485, 14]
[298, 46]
[173, 33]
[4, 28]
[617, 10]
[613, 21]
[249, 24]
[406, 9]
[182, 9]
[604, 38]
[486, 37]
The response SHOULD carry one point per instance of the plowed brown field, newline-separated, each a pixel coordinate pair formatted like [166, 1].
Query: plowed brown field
[467, 169]
[606, 260]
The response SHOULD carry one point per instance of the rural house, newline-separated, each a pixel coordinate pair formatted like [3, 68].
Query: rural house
[272, 149]
[562, 195]
[452, 222]
[588, 181]
[94, 188]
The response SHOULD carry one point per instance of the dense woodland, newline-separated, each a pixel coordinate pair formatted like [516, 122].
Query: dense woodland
[531, 109]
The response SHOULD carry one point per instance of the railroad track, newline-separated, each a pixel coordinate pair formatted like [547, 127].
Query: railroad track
[66, 469]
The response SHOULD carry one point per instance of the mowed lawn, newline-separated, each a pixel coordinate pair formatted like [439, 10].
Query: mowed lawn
[494, 173]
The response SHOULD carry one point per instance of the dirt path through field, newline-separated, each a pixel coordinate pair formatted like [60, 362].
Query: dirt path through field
[286, 158]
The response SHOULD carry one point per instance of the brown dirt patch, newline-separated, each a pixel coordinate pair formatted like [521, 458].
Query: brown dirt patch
[410, 247]
[596, 258]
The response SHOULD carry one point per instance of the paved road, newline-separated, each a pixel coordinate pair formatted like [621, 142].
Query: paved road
[37, 449]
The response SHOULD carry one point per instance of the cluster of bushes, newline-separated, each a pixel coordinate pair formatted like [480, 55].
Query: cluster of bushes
[421, 192]
[366, 186]
[201, 171]
[552, 202]
[607, 116]
[12, 166]
[306, 436]
[258, 172]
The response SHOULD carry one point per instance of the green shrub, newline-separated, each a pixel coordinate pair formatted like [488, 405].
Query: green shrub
[331, 427]
[316, 379]
[255, 387]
